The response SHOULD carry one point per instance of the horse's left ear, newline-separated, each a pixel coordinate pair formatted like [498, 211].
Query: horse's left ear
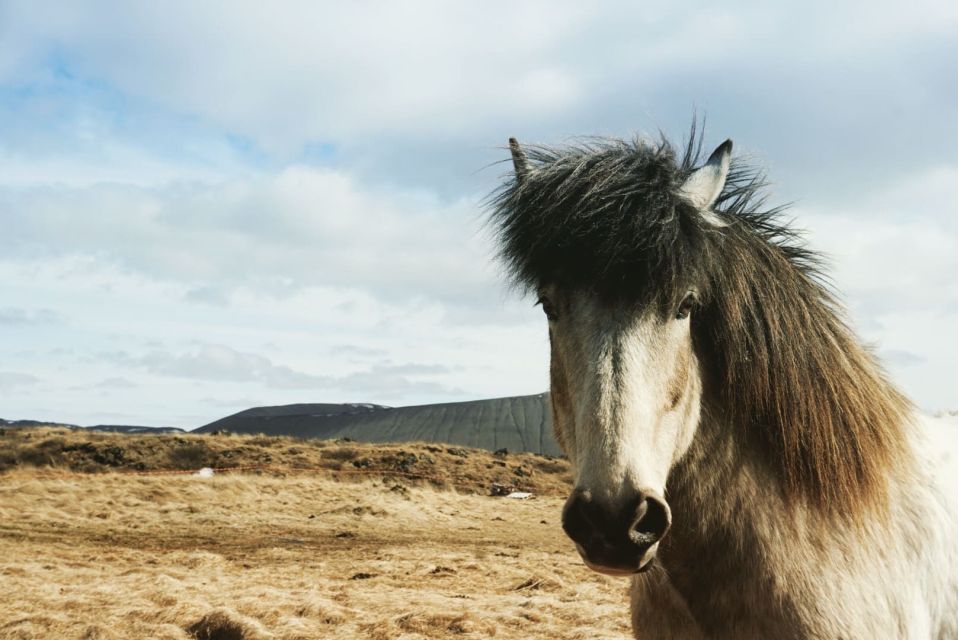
[704, 186]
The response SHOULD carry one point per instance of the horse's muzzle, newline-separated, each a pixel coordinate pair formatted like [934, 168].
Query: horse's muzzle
[616, 540]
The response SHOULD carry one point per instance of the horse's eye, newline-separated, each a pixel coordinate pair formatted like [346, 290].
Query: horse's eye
[548, 308]
[685, 308]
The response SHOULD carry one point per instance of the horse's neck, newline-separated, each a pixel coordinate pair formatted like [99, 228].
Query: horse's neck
[739, 551]
[735, 539]
[723, 501]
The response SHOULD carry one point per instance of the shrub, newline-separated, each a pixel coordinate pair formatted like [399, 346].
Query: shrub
[341, 453]
[191, 456]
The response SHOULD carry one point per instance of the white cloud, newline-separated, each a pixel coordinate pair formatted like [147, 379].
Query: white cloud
[301, 227]
[15, 316]
[424, 93]
[320, 71]
[115, 382]
[311, 71]
[12, 380]
[219, 363]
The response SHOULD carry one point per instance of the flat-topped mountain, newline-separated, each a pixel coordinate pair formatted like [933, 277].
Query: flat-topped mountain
[520, 423]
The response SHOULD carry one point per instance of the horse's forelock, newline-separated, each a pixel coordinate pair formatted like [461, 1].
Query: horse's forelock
[604, 215]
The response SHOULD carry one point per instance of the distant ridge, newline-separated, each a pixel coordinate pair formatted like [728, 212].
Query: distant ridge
[112, 428]
[258, 415]
[520, 423]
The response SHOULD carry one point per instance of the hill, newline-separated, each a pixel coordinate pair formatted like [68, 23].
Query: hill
[473, 470]
[284, 555]
[520, 423]
[112, 428]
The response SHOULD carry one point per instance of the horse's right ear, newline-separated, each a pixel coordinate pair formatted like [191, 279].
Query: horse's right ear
[518, 159]
[703, 187]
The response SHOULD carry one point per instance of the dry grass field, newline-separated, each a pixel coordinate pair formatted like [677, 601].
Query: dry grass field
[303, 549]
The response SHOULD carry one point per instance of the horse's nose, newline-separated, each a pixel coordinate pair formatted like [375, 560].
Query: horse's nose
[617, 539]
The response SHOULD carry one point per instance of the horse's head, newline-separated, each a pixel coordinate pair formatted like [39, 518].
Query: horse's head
[625, 397]
[626, 385]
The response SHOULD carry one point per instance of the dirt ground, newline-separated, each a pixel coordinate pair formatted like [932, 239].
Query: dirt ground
[295, 556]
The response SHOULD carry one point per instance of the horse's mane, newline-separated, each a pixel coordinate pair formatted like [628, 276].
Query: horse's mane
[778, 357]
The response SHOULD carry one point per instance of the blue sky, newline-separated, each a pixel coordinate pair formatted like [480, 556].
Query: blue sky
[209, 206]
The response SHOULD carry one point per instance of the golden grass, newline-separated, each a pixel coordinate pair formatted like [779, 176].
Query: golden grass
[444, 465]
[248, 557]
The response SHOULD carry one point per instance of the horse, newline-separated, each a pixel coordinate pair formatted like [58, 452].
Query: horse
[737, 452]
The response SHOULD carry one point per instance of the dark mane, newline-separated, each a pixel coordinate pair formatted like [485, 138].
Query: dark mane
[778, 357]
[575, 220]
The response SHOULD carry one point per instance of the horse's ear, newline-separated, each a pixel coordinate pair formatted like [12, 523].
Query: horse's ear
[518, 159]
[704, 186]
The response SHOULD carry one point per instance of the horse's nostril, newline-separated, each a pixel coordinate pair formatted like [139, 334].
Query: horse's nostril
[652, 521]
[575, 519]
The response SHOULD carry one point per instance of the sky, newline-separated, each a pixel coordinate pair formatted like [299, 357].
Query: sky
[208, 206]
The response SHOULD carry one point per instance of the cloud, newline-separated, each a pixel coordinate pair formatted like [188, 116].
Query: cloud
[897, 248]
[902, 358]
[423, 93]
[302, 227]
[356, 351]
[13, 380]
[13, 316]
[237, 404]
[219, 363]
[115, 382]
[367, 69]
[391, 381]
